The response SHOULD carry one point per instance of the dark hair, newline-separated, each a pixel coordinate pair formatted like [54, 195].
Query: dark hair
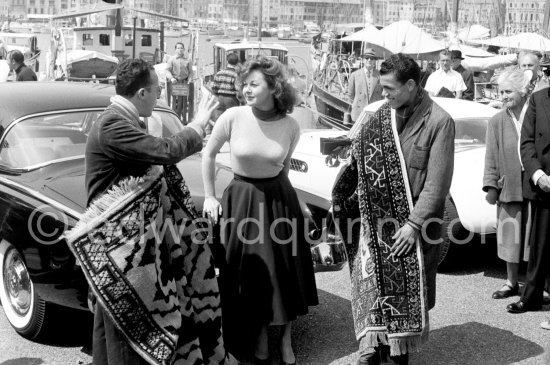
[403, 67]
[232, 59]
[176, 46]
[275, 76]
[16, 56]
[132, 75]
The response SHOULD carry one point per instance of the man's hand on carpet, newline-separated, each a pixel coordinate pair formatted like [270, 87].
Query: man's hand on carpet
[405, 240]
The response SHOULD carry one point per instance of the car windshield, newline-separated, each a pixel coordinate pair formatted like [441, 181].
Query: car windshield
[468, 131]
[41, 140]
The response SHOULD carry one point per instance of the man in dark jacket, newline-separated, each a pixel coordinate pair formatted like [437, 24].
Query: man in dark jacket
[119, 147]
[467, 75]
[16, 60]
[408, 146]
[535, 157]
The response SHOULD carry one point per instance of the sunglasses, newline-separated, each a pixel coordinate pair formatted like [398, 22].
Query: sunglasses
[369, 58]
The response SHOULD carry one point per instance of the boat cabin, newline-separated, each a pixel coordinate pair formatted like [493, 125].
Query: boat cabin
[104, 40]
[246, 51]
[24, 42]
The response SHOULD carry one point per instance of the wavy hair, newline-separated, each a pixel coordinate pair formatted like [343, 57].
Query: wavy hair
[132, 75]
[275, 74]
[517, 79]
[402, 66]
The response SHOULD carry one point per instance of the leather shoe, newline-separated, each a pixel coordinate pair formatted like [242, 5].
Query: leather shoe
[511, 291]
[287, 363]
[258, 361]
[522, 307]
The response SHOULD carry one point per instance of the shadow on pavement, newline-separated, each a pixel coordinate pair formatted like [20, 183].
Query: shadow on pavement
[67, 327]
[327, 333]
[23, 361]
[475, 343]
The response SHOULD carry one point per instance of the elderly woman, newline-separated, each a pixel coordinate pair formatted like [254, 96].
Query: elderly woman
[502, 179]
[267, 277]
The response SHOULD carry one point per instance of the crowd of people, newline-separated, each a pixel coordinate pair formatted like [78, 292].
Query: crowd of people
[266, 275]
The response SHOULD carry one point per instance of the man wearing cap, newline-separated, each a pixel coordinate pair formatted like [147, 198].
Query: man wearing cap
[467, 75]
[445, 82]
[364, 84]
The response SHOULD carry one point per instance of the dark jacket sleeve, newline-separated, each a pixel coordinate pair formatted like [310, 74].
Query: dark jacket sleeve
[468, 94]
[491, 173]
[123, 141]
[528, 151]
[439, 174]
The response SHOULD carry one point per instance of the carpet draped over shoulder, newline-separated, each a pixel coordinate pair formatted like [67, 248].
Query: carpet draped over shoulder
[142, 247]
[388, 294]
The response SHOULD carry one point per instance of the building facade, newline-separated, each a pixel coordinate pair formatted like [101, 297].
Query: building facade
[524, 16]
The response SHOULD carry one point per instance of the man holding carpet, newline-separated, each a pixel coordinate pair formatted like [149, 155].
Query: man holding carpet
[397, 182]
[157, 294]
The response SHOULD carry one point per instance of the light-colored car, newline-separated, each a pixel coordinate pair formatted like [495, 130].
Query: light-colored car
[313, 178]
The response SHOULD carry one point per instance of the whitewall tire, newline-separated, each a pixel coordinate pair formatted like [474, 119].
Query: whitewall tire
[24, 309]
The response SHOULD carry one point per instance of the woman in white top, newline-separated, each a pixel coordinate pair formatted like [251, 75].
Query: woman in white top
[267, 276]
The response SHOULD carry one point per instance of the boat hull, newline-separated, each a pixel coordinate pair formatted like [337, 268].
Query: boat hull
[94, 66]
[331, 108]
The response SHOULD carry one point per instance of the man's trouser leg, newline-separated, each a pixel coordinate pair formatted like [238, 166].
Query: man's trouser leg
[109, 345]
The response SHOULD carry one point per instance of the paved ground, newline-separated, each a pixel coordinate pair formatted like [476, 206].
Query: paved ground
[467, 326]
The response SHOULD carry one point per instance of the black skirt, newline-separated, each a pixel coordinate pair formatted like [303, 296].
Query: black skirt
[267, 277]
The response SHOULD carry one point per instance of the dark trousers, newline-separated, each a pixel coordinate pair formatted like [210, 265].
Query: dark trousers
[179, 105]
[539, 255]
[381, 355]
[226, 102]
[109, 345]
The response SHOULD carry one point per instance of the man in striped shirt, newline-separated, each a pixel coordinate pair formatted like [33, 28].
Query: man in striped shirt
[226, 86]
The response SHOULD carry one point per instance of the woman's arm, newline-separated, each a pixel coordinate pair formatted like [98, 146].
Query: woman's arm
[211, 207]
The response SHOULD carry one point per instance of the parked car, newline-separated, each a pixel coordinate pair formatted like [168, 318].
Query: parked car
[43, 131]
[313, 174]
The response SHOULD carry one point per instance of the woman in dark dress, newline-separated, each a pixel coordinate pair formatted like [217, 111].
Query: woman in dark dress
[267, 277]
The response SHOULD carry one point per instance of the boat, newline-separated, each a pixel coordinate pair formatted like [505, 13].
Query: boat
[87, 64]
[109, 38]
[176, 32]
[329, 87]
[284, 32]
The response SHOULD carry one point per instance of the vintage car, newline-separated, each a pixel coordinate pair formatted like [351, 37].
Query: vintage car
[43, 131]
[467, 212]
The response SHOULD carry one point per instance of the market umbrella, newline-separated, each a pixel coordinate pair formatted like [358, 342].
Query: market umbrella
[474, 31]
[405, 37]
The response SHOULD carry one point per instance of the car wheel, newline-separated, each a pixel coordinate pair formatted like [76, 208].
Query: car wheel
[451, 227]
[24, 309]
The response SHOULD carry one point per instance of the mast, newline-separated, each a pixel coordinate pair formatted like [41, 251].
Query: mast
[453, 25]
[546, 19]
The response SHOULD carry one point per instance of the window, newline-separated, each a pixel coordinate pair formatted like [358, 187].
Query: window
[128, 41]
[104, 40]
[87, 39]
[43, 139]
[146, 40]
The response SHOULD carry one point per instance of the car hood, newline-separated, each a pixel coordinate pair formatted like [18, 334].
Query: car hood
[319, 179]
